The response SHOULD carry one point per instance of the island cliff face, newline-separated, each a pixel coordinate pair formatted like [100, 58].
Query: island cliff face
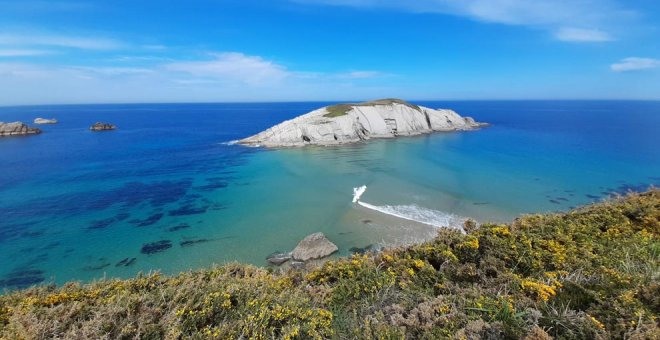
[17, 129]
[350, 123]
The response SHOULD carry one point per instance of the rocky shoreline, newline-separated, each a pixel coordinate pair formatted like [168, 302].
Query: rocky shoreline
[351, 123]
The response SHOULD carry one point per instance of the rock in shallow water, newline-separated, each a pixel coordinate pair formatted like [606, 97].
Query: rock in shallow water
[314, 246]
[277, 258]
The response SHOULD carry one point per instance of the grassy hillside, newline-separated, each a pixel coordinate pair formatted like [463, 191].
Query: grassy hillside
[342, 109]
[591, 273]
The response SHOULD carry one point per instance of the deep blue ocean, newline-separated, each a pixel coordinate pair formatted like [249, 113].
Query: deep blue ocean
[166, 191]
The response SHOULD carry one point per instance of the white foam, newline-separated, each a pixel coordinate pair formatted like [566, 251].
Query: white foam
[231, 142]
[419, 214]
[357, 192]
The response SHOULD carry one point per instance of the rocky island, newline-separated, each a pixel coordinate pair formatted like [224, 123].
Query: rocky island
[350, 123]
[45, 121]
[17, 129]
[102, 127]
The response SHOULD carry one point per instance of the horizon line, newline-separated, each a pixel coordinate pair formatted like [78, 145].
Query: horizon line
[324, 101]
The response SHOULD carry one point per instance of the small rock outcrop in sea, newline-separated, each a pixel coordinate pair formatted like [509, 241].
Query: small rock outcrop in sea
[277, 258]
[314, 246]
[350, 123]
[17, 129]
[45, 121]
[102, 127]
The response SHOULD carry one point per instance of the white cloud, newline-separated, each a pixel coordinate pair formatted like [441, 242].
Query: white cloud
[635, 64]
[582, 35]
[233, 66]
[220, 77]
[551, 15]
[22, 52]
[359, 74]
[87, 43]
[113, 71]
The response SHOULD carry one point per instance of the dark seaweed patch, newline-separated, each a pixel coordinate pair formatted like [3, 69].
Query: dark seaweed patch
[156, 247]
[126, 262]
[149, 220]
[178, 227]
[104, 223]
[213, 183]
[22, 278]
[131, 194]
[13, 230]
[217, 206]
[594, 197]
[480, 203]
[562, 199]
[554, 201]
[211, 186]
[188, 243]
[188, 209]
[51, 245]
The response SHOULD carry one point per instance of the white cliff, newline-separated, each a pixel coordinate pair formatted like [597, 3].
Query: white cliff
[350, 123]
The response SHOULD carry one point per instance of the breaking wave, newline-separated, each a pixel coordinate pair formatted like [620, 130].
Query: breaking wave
[412, 212]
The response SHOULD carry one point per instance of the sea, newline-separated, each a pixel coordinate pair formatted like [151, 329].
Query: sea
[170, 191]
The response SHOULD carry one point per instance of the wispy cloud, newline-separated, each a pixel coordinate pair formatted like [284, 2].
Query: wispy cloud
[359, 74]
[78, 42]
[229, 76]
[233, 66]
[582, 35]
[23, 52]
[556, 16]
[635, 64]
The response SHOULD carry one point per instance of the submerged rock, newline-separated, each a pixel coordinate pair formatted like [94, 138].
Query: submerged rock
[314, 246]
[277, 258]
[45, 121]
[98, 126]
[358, 250]
[17, 129]
[350, 123]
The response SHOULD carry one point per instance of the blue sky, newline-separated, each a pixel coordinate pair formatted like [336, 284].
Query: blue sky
[55, 52]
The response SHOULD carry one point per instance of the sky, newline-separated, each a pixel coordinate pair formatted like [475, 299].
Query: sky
[122, 51]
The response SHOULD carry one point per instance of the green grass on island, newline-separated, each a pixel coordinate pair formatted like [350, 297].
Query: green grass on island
[342, 109]
[591, 273]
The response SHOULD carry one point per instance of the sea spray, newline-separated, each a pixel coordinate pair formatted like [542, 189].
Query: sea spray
[357, 193]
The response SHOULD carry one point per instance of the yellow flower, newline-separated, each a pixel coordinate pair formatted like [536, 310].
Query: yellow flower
[596, 322]
[419, 264]
[542, 291]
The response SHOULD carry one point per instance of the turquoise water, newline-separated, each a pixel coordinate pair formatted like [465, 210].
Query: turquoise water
[167, 192]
